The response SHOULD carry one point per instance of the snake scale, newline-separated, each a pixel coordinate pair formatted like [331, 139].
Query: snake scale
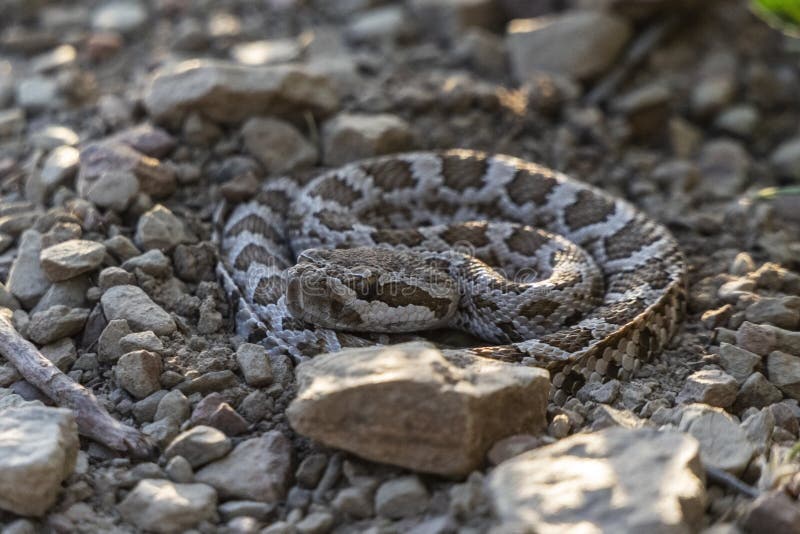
[551, 271]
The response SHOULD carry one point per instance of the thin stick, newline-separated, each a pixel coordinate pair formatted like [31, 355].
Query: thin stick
[93, 420]
[723, 478]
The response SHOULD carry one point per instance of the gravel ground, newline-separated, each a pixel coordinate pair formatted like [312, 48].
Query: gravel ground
[123, 124]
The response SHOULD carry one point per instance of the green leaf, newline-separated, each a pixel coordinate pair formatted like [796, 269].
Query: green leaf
[784, 14]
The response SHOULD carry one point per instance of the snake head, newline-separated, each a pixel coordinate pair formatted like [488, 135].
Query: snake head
[370, 290]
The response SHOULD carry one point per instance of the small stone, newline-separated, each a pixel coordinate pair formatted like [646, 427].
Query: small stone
[215, 412]
[61, 165]
[257, 469]
[762, 339]
[315, 523]
[254, 363]
[211, 381]
[71, 258]
[38, 450]
[123, 16]
[786, 159]
[195, 263]
[148, 140]
[146, 340]
[559, 427]
[62, 353]
[160, 229]
[27, 280]
[596, 479]
[53, 136]
[256, 406]
[717, 317]
[723, 443]
[757, 392]
[602, 392]
[738, 120]
[709, 386]
[121, 247]
[12, 122]
[141, 313]
[512, 446]
[109, 155]
[254, 509]
[401, 497]
[742, 264]
[783, 370]
[145, 409]
[351, 136]
[783, 312]
[114, 190]
[153, 262]
[138, 373]
[179, 470]
[712, 94]
[278, 145]
[114, 276]
[738, 362]
[38, 93]
[226, 92]
[416, 408]
[199, 446]
[108, 348]
[310, 470]
[773, 511]
[759, 427]
[162, 506]
[266, 52]
[579, 44]
[55, 323]
[70, 293]
[355, 502]
[382, 24]
[450, 18]
[724, 165]
[174, 405]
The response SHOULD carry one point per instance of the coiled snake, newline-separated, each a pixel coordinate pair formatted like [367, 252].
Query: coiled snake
[552, 272]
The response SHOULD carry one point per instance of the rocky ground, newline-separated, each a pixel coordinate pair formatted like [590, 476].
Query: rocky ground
[114, 151]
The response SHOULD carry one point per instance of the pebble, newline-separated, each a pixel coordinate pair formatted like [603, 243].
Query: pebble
[419, 410]
[60, 166]
[786, 158]
[122, 247]
[515, 445]
[578, 44]
[226, 92]
[54, 135]
[723, 443]
[709, 386]
[38, 450]
[147, 139]
[211, 381]
[215, 412]
[277, 145]
[783, 370]
[108, 348]
[144, 410]
[55, 323]
[783, 312]
[254, 363]
[266, 52]
[738, 120]
[27, 280]
[138, 373]
[724, 165]
[773, 511]
[174, 405]
[756, 391]
[38, 93]
[257, 510]
[159, 228]
[71, 258]
[179, 470]
[257, 469]
[132, 304]
[153, 262]
[352, 136]
[449, 19]
[114, 190]
[110, 155]
[381, 24]
[12, 122]
[162, 506]
[762, 339]
[310, 470]
[70, 293]
[356, 502]
[62, 353]
[124, 16]
[146, 340]
[199, 446]
[401, 497]
[738, 362]
[597, 479]
[195, 263]
[114, 276]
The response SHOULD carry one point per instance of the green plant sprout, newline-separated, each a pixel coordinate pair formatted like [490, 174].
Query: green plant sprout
[783, 14]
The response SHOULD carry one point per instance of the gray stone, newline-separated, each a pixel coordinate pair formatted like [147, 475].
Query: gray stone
[723, 443]
[53, 136]
[579, 44]
[355, 502]
[226, 92]
[138, 373]
[38, 93]
[786, 158]
[738, 362]
[174, 405]
[278, 145]
[55, 323]
[762, 339]
[724, 165]
[146, 340]
[352, 136]
[71, 258]
[709, 386]
[113, 189]
[70, 293]
[757, 392]
[162, 506]
[783, 312]
[199, 446]
[153, 262]
[114, 276]
[122, 247]
[772, 511]
[27, 280]
[141, 313]
[310, 470]
[257, 469]
[179, 470]
[596, 479]
[401, 497]
[417, 408]
[315, 523]
[124, 16]
[108, 348]
[257, 510]
[783, 370]
[266, 52]
[59, 166]
[738, 120]
[12, 122]
[254, 363]
[451, 18]
[109, 155]
[158, 228]
[38, 450]
[381, 24]
[145, 409]
[62, 353]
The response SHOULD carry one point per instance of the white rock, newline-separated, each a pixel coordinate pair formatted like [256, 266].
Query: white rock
[709, 386]
[615, 480]
[38, 450]
[199, 445]
[161, 506]
[133, 305]
[416, 408]
[579, 44]
[257, 469]
[124, 16]
[266, 52]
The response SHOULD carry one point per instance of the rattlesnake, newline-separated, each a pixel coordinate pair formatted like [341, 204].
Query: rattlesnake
[407, 236]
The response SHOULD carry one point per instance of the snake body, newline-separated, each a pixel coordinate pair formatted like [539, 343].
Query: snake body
[551, 271]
